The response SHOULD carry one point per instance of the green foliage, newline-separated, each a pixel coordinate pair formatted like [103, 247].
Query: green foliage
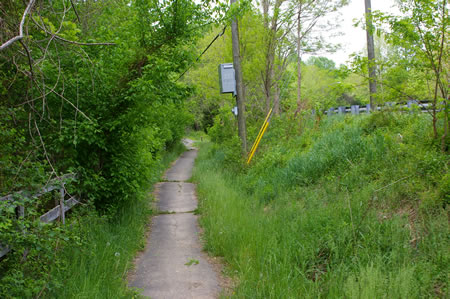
[106, 113]
[353, 207]
[18, 166]
[414, 64]
[321, 87]
[223, 133]
[36, 248]
[89, 257]
[322, 63]
[224, 127]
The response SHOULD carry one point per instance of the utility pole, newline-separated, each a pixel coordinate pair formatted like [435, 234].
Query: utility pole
[371, 54]
[240, 98]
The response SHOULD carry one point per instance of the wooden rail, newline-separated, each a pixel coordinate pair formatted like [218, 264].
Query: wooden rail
[55, 213]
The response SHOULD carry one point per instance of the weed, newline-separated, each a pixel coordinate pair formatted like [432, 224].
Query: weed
[192, 262]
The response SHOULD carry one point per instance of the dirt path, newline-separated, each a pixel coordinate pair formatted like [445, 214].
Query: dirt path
[173, 264]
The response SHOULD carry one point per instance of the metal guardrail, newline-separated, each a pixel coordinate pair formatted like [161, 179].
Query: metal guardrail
[55, 213]
[357, 109]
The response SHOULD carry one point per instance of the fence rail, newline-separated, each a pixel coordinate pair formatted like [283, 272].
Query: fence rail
[55, 213]
[357, 109]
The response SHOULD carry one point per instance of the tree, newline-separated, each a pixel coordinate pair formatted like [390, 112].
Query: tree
[370, 53]
[272, 25]
[421, 34]
[322, 62]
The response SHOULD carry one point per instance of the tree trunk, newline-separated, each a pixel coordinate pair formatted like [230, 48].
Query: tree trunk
[265, 5]
[371, 54]
[444, 145]
[268, 73]
[268, 77]
[299, 62]
[239, 84]
[270, 51]
[276, 99]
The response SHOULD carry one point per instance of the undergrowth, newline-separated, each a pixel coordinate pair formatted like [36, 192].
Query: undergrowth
[91, 255]
[99, 268]
[354, 207]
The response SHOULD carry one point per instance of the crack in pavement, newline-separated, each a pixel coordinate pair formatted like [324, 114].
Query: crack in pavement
[174, 213]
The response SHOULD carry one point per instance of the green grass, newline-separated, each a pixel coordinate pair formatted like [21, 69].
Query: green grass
[98, 269]
[197, 135]
[344, 211]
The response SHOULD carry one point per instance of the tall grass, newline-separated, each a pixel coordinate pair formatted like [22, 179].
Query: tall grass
[98, 268]
[332, 219]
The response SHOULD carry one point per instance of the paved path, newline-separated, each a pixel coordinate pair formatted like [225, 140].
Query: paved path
[173, 264]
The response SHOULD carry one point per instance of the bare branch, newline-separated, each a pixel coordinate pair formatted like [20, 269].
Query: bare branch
[45, 150]
[76, 13]
[70, 41]
[30, 62]
[22, 22]
[75, 107]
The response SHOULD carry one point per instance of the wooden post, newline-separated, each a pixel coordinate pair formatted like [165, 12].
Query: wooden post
[21, 212]
[240, 98]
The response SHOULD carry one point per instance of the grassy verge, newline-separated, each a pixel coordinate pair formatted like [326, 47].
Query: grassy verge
[99, 267]
[354, 208]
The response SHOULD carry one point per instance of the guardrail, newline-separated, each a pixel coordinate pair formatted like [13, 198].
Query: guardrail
[357, 109]
[51, 215]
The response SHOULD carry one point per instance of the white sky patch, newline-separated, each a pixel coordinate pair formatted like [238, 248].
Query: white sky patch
[353, 38]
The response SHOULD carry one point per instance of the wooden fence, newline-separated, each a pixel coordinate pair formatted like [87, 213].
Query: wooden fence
[53, 214]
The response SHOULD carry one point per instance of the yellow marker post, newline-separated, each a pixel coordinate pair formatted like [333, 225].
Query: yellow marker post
[259, 137]
[260, 131]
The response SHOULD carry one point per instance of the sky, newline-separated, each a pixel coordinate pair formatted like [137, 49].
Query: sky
[354, 38]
